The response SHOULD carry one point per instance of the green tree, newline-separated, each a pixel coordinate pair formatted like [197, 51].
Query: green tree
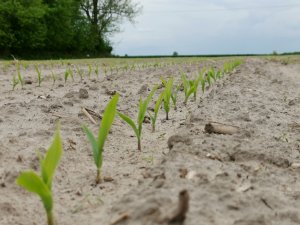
[104, 18]
[22, 24]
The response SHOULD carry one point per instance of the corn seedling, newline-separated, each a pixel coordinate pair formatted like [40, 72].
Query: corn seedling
[98, 144]
[69, 73]
[197, 81]
[39, 75]
[167, 96]
[174, 95]
[97, 70]
[155, 111]
[137, 128]
[212, 74]
[89, 71]
[14, 82]
[208, 80]
[188, 88]
[25, 65]
[42, 185]
[105, 71]
[163, 82]
[54, 77]
[219, 74]
[20, 77]
[79, 72]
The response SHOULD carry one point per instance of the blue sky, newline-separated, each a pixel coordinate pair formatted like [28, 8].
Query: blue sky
[211, 27]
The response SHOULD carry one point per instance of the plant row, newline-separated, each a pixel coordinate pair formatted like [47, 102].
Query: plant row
[18, 78]
[41, 184]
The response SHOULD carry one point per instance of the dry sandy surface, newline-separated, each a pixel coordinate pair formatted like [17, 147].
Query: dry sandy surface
[248, 178]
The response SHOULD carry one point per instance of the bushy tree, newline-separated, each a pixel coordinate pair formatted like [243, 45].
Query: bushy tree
[105, 16]
[61, 26]
[22, 24]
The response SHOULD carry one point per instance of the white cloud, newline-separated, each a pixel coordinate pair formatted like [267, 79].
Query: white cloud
[214, 27]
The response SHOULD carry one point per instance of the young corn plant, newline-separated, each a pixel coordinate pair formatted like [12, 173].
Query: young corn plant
[137, 128]
[155, 111]
[20, 77]
[39, 75]
[97, 71]
[219, 74]
[68, 73]
[208, 79]
[174, 95]
[212, 73]
[167, 96]
[42, 184]
[79, 72]
[98, 144]
[89, 71]
[14, 82]
[188, 88]
[203, 83]
[197, 81]
[54, 77]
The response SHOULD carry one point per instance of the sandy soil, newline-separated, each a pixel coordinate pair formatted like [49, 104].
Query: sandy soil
[251, 177]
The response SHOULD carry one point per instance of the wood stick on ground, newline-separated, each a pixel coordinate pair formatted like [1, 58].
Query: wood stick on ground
[57, 115]
[88, 115]
[183, 206]
[122, 217]
[219, 128]
[93, 113]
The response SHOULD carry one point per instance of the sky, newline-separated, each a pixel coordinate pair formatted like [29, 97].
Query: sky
[211, 27]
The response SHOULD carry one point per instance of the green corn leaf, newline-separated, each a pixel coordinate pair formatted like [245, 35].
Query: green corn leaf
[191, 91]
[107, 120]
[33, 183]
[203, 85]
[163, 81]
[94, 144]
[158, 103]
[130, 122]
[143, 106]
[168, 93]
[52, 158]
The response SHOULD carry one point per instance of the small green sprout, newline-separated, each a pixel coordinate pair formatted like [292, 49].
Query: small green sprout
[98, 144]
[25, 65]
[219, 74]
[14, 82]
[79, 72]
[174, 95]
[89, 71]
[105, 71]
[141, 116]
[197, 81]
[208, 80]
[156, 109]
[212, 73]
[54, 77]
[203, 83]
[68, 73]
[188, 87]
[167, 96]
[42, 185]
[97, 70]
[20, 77]
[39, 75]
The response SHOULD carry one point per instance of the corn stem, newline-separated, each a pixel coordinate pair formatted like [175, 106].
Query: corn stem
[98, 177]
[50, 218]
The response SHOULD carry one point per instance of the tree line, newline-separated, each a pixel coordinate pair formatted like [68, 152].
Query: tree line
[55, 28]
